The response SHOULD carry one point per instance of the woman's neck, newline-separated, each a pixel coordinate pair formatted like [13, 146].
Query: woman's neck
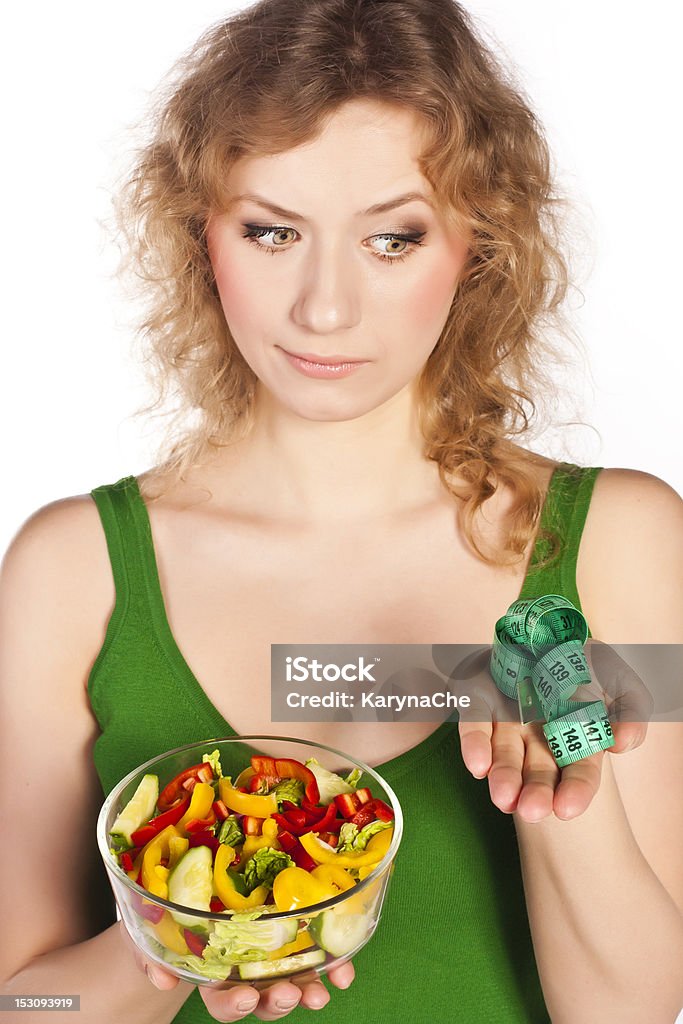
[317, 472]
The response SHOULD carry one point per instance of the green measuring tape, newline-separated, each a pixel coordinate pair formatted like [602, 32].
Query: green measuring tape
[538, 660]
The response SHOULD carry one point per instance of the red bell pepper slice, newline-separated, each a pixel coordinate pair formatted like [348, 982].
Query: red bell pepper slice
[296, 817]
[373, 810]
[143, 835]
[126, 862]
[382, 810]
[364, 816]
[220, 810]
[195, 943]
[286, 768]
[170, 817]
[251, 825]
[150, 911]
[364, 795]
[330, 838]
[291, 845]
[312, 809]
[216, 906]
[198, 772]
[200, 824]
[204, 839]
[348, 804]
[305, 813]
[262, 782]
[327, 823]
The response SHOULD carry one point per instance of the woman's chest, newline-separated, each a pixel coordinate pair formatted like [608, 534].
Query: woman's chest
[228, 604]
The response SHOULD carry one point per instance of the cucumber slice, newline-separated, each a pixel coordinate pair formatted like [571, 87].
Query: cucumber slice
[339, 933]
[286, 965]
[190, 884]
[138, 810]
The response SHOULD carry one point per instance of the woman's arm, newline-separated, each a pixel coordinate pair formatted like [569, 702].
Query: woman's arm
[56, 907]
[604, 889]
[607, 932]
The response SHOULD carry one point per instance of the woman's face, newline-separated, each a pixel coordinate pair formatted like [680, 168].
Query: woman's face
[305, 267]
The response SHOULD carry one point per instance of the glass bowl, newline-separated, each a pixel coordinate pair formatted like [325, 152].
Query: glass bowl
[260, 945]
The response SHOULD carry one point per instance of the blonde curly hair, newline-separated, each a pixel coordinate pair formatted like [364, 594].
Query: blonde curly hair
[265, 80]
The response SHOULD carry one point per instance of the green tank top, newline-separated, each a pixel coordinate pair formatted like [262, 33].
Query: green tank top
[453, 941]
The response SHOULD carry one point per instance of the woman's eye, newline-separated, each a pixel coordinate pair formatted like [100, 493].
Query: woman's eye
[398, 248]
[254, 231]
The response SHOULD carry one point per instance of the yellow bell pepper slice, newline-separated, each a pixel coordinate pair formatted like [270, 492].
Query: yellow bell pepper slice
[322, 853]
[225, 889]
[246, 803]
[157, 848]
[177, 846]
[268, 837]
[200, 804]
[170, 934]
[294, 888]
[302, 941]
[333, 875]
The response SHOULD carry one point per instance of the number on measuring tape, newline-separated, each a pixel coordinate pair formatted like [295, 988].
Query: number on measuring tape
[550, 629]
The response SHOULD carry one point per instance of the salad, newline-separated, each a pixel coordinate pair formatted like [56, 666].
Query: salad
[284, 836]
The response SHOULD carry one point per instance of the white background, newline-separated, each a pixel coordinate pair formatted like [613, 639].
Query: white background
[604, 79]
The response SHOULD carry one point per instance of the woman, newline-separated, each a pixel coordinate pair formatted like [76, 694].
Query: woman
[351, 474]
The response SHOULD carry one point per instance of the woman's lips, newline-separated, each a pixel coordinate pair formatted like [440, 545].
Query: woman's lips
[330, 367]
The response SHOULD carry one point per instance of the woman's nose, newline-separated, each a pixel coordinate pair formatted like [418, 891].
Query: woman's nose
[328, 296]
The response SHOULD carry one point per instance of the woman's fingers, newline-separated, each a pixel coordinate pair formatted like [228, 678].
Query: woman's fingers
[487, 705]
[505, 774]
[475, 745]
[276, 1001]
[160, 978]
[343, 975]
[265, 1004]
[579, 784]
[540, 776]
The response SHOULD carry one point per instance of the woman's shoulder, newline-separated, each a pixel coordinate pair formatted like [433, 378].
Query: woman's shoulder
[631, 558]
[57, 567]
[63, 529]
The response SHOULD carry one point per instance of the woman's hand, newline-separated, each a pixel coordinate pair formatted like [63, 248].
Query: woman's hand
[277, 1000]
[271, 1003]
[523, 775]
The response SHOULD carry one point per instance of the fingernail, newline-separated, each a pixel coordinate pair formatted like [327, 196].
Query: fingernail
[287, 1005]
[248, 1004]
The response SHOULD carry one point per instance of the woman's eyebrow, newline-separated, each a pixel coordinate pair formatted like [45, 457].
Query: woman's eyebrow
[280, 211]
